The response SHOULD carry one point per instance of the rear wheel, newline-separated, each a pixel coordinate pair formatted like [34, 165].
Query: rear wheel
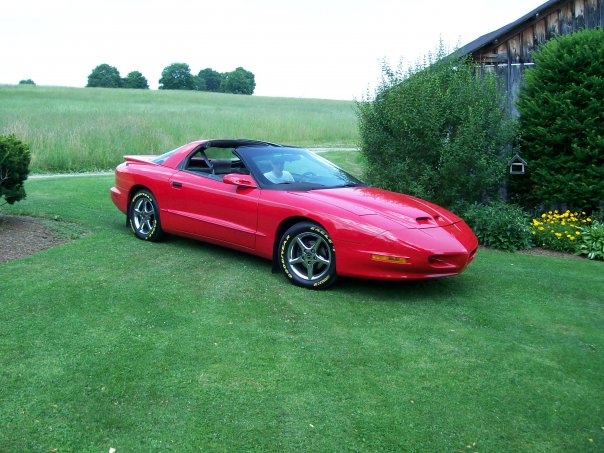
[143, 217]
[307, 256]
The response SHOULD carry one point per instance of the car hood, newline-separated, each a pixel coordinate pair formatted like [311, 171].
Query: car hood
[404, 210]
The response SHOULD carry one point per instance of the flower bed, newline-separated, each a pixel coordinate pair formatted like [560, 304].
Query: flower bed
[559, 231]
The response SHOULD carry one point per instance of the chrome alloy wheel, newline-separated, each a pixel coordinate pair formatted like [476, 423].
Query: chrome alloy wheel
[144, 216]
[309, 256]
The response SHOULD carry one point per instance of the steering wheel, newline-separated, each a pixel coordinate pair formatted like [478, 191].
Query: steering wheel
[306, 176]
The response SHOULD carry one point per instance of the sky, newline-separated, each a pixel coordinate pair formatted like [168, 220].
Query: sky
[326, 49]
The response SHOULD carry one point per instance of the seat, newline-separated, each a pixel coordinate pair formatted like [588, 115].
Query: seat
[221, 166]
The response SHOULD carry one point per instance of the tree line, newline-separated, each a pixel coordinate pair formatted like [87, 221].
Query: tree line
[177, 76]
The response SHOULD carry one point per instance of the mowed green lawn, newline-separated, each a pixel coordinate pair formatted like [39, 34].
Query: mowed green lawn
[111, 342]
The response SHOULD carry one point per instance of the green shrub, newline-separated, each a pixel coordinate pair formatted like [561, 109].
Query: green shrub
[437, 131]
[562, 133]
[558, 231]
[591, 241]
[498, 225]
[14, 168]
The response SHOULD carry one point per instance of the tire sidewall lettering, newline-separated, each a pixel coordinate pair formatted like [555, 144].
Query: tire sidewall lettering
[282, 254]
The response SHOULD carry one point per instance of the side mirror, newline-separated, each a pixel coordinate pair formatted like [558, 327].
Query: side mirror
[239, 180]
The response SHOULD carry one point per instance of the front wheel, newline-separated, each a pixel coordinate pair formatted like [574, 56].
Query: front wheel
[307, 256]
[143, 217]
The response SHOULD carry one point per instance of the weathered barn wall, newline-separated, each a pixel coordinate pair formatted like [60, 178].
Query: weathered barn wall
[508, 51]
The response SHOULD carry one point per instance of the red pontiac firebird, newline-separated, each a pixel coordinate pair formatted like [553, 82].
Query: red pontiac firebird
[287, 204]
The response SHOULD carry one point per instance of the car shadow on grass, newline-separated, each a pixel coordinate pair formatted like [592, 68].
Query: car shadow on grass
[428, 290]
[439, 290]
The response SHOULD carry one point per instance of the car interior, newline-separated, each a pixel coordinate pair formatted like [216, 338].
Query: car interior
[211, 162]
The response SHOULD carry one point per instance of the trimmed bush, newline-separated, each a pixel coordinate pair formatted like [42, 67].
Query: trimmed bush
[498, 225]
[14, 168]
[561, 124]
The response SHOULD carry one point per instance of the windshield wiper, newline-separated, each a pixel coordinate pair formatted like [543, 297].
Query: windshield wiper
[350, 184]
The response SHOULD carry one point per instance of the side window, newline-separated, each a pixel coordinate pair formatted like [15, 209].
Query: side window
[198, 162]
[215, 163]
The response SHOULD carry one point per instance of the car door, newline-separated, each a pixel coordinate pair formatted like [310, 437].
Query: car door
[204, 207]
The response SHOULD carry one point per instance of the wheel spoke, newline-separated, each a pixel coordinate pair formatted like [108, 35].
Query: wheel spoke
[316, 245]
[296, 260]
[322, 260]
[302, 245]
[309, 269]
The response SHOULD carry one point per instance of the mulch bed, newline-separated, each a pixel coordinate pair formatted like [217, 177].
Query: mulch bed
[23, 236]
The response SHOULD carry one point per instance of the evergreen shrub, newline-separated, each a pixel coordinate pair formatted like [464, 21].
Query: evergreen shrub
[14, 168]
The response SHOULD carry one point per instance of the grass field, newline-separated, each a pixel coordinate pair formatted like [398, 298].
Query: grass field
[83, 129]
[111, 342]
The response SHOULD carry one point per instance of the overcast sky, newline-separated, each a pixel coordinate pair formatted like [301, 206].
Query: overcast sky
[328, 49]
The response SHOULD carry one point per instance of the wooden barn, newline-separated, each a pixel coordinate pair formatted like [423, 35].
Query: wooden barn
[507, 51]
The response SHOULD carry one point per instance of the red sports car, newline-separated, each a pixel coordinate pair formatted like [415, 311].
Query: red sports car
[287, 204]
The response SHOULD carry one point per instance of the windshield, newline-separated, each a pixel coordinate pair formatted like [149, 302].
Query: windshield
[293, 169]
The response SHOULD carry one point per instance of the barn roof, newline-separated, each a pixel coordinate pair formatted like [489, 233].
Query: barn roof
[494, 35]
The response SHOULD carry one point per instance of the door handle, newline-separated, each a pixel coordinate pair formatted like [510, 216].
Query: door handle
[176, 184]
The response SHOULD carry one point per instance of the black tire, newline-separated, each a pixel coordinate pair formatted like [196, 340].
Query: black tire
[143, 217]
[307, 256]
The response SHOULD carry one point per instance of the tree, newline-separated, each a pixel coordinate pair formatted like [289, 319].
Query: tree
[135, 79]
[27, 82]
[238, 81]
[14, 168]
[176, 76]
[561, 105]
[437, 131]
[210, 80]
[104, 76]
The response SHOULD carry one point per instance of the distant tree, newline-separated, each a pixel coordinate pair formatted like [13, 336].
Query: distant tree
[210, 80]
[104, 76]
[135, 79]
[27, 82]
[561, 105]
[14, 168]
[199, 84]
[238, 81]
[177, 76]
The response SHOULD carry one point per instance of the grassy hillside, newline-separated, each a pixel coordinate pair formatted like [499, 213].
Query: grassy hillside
[76, 129]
